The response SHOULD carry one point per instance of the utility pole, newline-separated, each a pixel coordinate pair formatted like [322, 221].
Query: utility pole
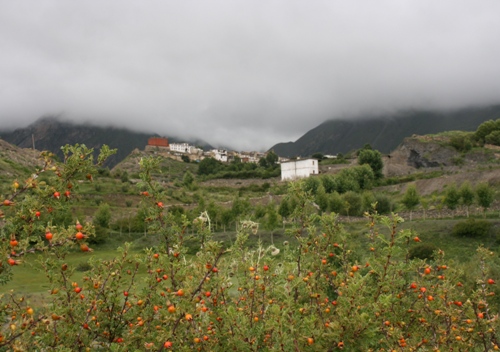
[33, 140]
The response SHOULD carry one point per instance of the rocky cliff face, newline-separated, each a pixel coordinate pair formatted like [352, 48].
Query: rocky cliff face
[429, 153]
[413, 154]
[425, 152]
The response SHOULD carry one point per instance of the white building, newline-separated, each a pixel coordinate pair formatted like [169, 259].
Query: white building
[299, 169]
[185, 148]
[180, 147]
[219, 154]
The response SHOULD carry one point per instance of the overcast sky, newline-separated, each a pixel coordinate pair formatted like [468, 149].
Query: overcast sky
[245, 74]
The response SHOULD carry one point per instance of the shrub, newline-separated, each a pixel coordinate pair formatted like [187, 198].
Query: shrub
[312, 184]
[124, 177]
[100, 236]
[452, 197]
[328, 182]
[104, 171]
[188, 179]
[368, 198]
[422, 251]
[485, 195]
[493, 138]
[458, 160]
[336, 203]
[103, 215]
[345, 181]
[353, 204]
[372, 158]
[411, 197]
[384, 203]
[461, 142]
[352, 179]
[487, 128]
[209, 166]
[83, 266]
[472, 228]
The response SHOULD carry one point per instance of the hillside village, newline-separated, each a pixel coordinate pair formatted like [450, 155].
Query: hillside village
[181, 151]
[290, 169]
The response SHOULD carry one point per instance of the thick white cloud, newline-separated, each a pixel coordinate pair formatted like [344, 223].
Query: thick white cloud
[245, 74]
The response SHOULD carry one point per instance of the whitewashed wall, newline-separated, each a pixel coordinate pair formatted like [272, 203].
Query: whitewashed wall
[299, 169]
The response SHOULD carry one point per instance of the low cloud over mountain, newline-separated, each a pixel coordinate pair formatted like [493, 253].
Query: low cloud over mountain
[244, 74]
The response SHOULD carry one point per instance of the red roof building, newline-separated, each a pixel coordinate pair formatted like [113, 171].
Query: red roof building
[158, 142]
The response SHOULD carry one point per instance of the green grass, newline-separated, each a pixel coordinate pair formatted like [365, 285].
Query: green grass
[29, 278]
[10, 165]
[438, 233]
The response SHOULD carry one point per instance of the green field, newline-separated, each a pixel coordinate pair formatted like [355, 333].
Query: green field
[29, 279]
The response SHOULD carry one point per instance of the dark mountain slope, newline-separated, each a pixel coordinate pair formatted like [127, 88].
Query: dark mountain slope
[50, 134]
[383, 132]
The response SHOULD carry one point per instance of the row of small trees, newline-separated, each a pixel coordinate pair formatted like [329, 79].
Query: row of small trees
[355, 199]
[466, 196]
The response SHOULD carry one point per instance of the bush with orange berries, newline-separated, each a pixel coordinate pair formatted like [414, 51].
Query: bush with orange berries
[318, 296]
